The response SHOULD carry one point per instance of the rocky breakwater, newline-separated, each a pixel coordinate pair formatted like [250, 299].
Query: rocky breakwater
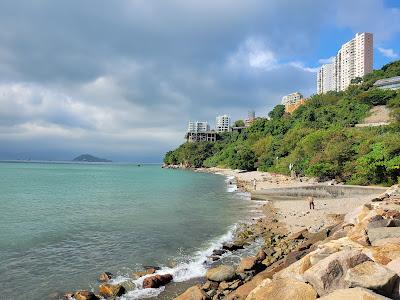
[356, 258]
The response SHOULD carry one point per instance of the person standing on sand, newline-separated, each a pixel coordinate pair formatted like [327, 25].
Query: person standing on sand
[254, 184]
[311, 202]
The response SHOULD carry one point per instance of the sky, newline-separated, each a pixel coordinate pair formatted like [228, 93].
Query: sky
[121, 79]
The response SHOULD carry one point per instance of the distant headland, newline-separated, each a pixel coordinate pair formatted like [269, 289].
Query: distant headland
[90, 158]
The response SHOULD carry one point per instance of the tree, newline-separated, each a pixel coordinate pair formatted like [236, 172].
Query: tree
[356, 80]
[376, 96]
[277, 112]
[238, 123]
[243, 158]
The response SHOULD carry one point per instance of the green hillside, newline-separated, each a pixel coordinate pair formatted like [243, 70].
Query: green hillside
[319, 138]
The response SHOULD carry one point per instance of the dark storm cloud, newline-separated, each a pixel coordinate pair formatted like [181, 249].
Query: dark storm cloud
[94, 73]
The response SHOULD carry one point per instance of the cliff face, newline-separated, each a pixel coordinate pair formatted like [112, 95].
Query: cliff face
[356, 258]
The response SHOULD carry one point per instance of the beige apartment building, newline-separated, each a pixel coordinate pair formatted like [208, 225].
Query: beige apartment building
[354, 59]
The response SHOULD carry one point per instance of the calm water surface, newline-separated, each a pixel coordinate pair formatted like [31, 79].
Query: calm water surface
[63, 224]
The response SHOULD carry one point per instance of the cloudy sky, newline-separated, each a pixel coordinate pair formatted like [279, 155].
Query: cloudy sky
[121, 79]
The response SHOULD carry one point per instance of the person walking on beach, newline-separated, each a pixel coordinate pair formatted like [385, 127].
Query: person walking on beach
[311, 202]
[254, 184]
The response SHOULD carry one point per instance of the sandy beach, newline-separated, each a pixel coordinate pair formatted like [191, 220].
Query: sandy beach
[295, 214]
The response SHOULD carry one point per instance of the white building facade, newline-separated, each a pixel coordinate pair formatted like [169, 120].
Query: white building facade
[326, 78]
[198, 126]
[291, 98]
[354, 59]
[223, 123]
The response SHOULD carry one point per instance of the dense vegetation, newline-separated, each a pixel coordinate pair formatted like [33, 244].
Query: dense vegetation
[319, 139]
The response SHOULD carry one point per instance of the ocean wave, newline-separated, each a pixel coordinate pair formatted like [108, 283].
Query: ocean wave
[194, 268]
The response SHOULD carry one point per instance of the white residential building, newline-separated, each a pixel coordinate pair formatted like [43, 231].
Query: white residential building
[354, 59]
[326, 78]
[292, 98]
[198, 126]
[223, 123]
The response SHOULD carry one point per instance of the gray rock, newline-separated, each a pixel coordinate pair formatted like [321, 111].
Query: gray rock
[372, 276]
[379, 224]
[375, 234]
[221, 273]
[328, 274]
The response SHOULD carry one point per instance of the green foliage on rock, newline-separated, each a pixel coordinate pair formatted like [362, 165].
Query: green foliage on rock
[319, 138]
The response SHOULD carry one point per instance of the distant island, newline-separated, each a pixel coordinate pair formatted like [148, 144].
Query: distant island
[90, 158]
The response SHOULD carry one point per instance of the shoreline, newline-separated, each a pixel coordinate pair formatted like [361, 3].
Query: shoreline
[292, 231]
[278, 220]
[203, 258]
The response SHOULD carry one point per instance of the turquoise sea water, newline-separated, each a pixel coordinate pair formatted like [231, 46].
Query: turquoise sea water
[63, 224]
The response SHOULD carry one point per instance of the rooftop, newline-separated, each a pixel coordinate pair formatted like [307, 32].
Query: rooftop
[386, 81]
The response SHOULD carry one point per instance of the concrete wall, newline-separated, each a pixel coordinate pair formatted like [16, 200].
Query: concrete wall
[317, 191]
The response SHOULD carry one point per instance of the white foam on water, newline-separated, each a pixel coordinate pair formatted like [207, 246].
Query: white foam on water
[231, 184]
[142, 293]
[231, 188]
[229, 178]
[194, 268]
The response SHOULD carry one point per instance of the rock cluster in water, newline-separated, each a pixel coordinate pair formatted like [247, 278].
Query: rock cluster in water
[109, 290]
[357, 258]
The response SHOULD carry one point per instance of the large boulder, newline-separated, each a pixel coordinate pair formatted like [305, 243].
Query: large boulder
[373, 276]
[156, 281]
[394, 265]
[295, 270]
[356, 215]
[259, 287]
[359, 235]
[353, 294]
[221, 273]
[233, 246]
[340, 244]
[246, 264]
[382, 242]
[242, 291]
[85, 295]
[384, 254]
[299, 235]
[328, 274]
[380, 223]
[261, 255]
[105, 276]
[149, 271]
[193, 293]
[111, 290]
[376, 234]
[283, 289]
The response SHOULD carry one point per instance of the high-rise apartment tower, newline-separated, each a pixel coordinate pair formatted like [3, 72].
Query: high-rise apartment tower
[354, 59]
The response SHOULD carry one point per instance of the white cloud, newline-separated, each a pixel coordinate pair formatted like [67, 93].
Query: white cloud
[302, 67]
[253, 54]
[388, 52]
[327, 60]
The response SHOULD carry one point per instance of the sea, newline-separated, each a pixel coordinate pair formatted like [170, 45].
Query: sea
[62, 224]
